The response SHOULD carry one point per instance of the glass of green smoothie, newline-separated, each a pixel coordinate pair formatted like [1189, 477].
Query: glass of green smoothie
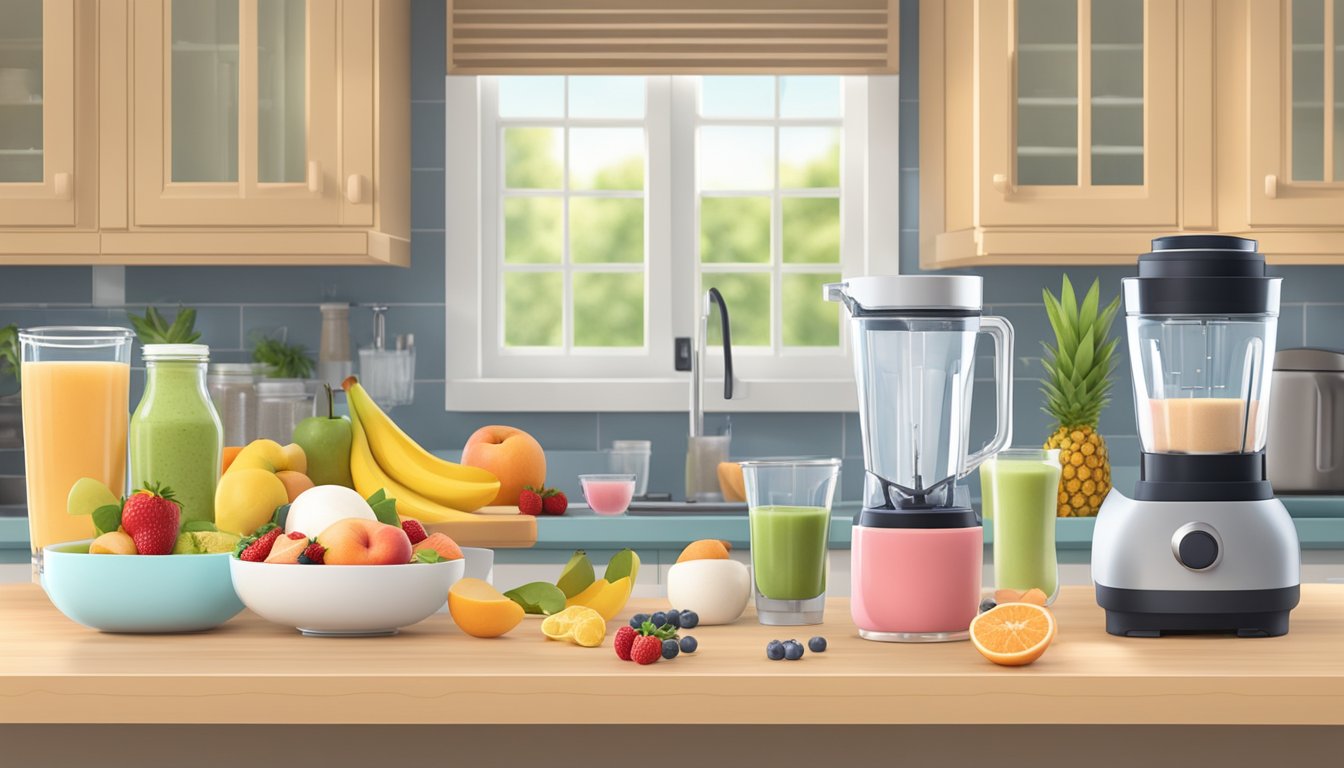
[1021, 486]
[789, 509]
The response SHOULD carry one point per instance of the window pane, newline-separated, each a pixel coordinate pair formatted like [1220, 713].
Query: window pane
[811, 230]
[748, 299]
[606, 158]
[808, 320]
[1308, 120]
[205, 90]
[809, 96]
[532, 313]
[533, 158]
[21, 91]
[736, 158]
[737, 96]
[533, 231]
[606, 230]
[609, 309]
[1117, 92]
[606, 96]
[531, 96]
[809, 157]
[1047, 92]
[735, 230]
[282, 108]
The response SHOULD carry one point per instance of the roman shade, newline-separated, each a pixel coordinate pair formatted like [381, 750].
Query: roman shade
[854, 37]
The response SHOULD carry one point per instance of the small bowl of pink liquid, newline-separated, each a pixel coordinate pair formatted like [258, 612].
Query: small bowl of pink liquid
[608, 494]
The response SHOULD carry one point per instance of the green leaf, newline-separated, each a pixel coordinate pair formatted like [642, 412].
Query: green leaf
[538, 597]
[1087, 316]
[378, 496]
[622, 564]
[1083, 360]
[386, 512]
[426, 556]
[107, 519]
[198, 525]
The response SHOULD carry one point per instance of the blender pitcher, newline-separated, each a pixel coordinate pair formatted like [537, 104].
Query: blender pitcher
[917, 552]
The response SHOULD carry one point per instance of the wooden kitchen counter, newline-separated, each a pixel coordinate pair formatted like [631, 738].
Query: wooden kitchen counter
[248, 671]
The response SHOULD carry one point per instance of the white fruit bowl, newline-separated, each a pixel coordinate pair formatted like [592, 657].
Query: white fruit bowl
[717, 590]
[345, 600]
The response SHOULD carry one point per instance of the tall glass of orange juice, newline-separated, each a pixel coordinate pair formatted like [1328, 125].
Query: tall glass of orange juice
[76, 406]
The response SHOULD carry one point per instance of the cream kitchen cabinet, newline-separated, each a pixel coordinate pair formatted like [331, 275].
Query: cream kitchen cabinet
[214, 131]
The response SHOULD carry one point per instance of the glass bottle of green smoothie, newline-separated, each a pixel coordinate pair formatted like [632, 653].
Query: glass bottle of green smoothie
[176, 437]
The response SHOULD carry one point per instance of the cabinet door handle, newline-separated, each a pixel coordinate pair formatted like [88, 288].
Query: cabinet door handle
[1271, 186]
[354, 189]
[315, 177]
[1000, 181]
[61, 185]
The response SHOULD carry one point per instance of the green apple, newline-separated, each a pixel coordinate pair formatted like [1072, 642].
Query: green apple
[326, 442]
[87, 495]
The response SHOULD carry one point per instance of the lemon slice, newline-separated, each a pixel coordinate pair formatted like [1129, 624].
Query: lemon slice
[578, 623]
[590, 630]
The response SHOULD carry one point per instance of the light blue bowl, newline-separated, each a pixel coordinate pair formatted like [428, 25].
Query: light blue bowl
[139, 593]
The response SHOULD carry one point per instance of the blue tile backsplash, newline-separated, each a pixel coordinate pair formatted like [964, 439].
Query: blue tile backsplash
[233, 303]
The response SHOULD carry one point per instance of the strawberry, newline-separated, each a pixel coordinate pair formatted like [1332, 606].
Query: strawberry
[646, 649]
[260, 548]
[529, 502]
[625, 639]
[295, 535]
[553, 502]
[415, 531]
[151, 517]
[313, 555]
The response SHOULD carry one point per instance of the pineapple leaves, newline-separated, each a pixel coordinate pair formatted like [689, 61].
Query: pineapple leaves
[154, 328]
[1079, 364]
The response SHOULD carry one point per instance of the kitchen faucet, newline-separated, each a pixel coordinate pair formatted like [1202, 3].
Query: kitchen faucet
[712, 296]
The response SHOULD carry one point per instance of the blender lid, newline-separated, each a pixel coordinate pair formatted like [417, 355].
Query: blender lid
[1309, 359]
[905, 293]
[1202, 275]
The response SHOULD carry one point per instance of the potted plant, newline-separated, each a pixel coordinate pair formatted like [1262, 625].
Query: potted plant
[11, 418]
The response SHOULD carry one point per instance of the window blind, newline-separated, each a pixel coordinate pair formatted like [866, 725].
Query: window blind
[496, 37]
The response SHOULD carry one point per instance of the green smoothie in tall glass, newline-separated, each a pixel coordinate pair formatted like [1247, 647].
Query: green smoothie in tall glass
[788, 551]
[176, 437]
[1022, 488]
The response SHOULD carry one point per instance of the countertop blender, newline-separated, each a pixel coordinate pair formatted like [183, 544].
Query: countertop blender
[918, 547]
[1203, 546]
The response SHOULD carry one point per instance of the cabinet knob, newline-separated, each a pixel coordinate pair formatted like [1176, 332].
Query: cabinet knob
[354, 189]
[1271, 186]
[1000, 181]
[315, 177]
[61, 185]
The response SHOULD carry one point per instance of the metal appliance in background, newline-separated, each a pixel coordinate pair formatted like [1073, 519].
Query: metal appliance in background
[1305, 450]
[1203, 545]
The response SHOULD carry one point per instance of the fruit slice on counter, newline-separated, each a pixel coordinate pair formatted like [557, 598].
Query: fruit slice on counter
[577, 575]
[580, 624]
[480, 610]
[605, 597]
[1013, 634]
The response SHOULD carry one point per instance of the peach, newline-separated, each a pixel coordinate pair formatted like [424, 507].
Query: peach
[509, 454]
[230, 453]
[286, 551]
[441, 543]
[112, 543]
[356, 541]
[295, 483]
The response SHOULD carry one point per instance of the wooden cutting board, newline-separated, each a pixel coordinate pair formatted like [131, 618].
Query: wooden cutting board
[502, 531]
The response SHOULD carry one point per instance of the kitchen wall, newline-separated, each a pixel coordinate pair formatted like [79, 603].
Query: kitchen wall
[234, 303]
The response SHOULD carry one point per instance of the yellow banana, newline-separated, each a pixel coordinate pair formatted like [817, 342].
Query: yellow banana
[402, 459]
[369, 478]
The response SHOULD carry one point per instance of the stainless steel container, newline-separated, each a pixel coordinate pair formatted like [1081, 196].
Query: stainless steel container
[1305, 451]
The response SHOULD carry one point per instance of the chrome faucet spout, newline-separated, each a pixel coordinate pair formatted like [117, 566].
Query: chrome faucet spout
[712, 297]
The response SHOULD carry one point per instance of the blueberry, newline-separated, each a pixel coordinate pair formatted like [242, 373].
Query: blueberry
[689, 644]
[774, 651]
[817, 644]
[793, 651]
[638, 620]
[674, 618]
[987, 604]
[689, 619]
[658, 619]
[670, 649]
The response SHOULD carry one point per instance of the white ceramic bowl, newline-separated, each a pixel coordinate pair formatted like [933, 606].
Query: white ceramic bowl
[717, 590]
[480, 563]
[345, 600]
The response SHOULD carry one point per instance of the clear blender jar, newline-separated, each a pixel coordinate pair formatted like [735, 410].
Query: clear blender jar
[917, 552]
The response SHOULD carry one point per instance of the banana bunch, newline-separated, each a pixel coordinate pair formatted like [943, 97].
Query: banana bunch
[426, 487]
[607, 595]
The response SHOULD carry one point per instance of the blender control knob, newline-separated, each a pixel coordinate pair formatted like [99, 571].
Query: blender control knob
[1197, 546]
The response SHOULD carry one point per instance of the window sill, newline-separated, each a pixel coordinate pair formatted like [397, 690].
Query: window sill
[634, 395]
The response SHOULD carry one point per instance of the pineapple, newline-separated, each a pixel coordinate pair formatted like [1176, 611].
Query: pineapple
[1077, 386]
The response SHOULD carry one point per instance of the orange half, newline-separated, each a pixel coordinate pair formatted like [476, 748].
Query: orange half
[1013, 634]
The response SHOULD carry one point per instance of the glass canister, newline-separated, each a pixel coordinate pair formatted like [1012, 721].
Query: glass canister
[281, 405]
[176, 437]
[233, 390]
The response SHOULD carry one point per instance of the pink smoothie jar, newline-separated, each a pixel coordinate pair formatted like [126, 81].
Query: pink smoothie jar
[608, 494]
[915, 584]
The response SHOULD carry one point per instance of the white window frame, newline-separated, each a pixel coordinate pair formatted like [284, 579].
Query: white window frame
[482, 377]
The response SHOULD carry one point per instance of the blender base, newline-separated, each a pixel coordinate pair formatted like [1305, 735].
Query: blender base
[1154, 613]
[914, 637]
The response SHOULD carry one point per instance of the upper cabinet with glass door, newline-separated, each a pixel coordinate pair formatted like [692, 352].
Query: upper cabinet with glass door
[236, 118]
[1296, 100]
[1077, 105]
